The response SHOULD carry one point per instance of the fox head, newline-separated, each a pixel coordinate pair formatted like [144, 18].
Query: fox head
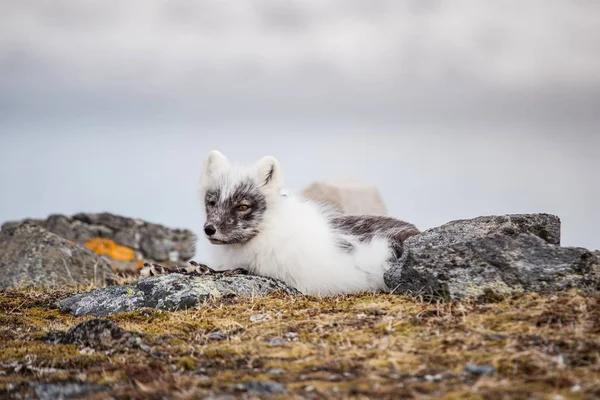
[237, 198]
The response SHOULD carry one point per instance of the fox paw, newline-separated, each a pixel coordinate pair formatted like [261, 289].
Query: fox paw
[193, 268]
[236, 271]
[199, 269]
[152, 269]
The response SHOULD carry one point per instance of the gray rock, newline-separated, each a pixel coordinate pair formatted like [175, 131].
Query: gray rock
[545, 226]
[276, 371]
[150, 242]
[217, 335]
[169, 292]
[497, 263]
[65, 390]
[97, 334]
[31, 256]
[276, 341]
[261, 387]
[480, 369]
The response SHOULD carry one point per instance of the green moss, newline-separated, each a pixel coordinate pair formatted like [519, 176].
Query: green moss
[187, 363]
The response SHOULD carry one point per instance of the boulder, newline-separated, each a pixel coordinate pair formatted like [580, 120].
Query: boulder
[125, 242]
[351, 196]
[545, 226]
[500, 254]
[31, 256]
[169, 292]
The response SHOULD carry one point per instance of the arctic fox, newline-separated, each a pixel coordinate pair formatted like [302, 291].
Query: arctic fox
[254, 226]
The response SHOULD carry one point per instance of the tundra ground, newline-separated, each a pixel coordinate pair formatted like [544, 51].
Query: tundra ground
[358, 346]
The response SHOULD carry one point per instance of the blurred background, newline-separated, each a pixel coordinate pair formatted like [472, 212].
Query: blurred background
[454, 109]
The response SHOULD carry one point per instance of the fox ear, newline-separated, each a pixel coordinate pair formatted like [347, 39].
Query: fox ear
[269, 173]
[216, 164]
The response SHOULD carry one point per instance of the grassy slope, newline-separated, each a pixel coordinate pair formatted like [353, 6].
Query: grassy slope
[363, 346]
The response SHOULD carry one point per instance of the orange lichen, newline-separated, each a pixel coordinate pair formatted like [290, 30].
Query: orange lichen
[103, 246]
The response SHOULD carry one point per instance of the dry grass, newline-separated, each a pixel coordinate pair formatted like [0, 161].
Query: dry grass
[360, 346]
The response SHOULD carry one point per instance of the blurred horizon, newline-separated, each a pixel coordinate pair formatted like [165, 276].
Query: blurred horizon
[453, 109]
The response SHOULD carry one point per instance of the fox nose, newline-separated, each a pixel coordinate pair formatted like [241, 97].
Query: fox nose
[210, 230]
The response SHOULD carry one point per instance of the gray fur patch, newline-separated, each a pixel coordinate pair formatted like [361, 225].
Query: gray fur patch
[345, 245]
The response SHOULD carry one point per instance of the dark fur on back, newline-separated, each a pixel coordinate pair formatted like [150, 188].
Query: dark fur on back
[366, 227]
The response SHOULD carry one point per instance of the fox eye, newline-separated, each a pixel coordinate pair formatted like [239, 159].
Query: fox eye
[243, 207]
[211, 203]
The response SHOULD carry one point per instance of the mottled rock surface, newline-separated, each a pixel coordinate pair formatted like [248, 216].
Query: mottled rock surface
[499, 254]
[498, 263]
[128, 240]
[97, 334]
[169, 292]
[31, 256]
[352, 197]
[545, 226]
[65, 390]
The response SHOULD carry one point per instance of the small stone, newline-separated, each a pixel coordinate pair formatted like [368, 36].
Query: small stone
[575, 388]
[217, 335]
[276, 371]
[291, 336]
[495, 336]
[433, 378]
[53, 391]
[261, 387]
[309, 388]
[276, 342]
[480, 369]
[259, 318]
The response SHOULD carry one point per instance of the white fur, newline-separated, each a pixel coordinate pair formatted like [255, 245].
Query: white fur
[297, 244]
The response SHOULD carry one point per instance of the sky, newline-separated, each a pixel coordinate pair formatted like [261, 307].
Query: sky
[454, 109]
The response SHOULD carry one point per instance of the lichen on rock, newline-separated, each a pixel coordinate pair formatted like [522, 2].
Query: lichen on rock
[499, 254]
[169, 292]
[31, 256]
[123, 241]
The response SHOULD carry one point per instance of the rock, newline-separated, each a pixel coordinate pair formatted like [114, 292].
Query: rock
[65, 390]
[96, 334]
[291, 336]
[124, 241]
[31, 256]
[545, 226]
[169, 292]
[259, 318]
[353, 197]
[276, 371]
[497, 263]
[480, 369]
[261, 387]
[276, 342]
[217, 335]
